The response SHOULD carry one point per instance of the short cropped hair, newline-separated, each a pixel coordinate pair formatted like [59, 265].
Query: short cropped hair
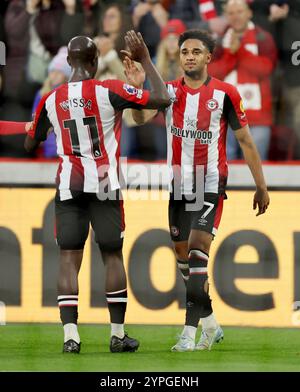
[201, 35]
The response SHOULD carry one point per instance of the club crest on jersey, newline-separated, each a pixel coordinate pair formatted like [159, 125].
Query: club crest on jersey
[132, 90]
[212, 105]
[175, 231]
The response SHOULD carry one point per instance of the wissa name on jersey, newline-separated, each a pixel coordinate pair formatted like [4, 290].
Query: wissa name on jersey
[76, 103]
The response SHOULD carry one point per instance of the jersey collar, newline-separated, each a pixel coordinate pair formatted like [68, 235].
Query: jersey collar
[192, 90]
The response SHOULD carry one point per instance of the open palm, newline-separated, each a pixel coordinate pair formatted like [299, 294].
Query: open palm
[135, 75]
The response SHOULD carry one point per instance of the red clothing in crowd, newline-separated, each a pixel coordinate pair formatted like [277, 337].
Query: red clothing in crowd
[249, 69]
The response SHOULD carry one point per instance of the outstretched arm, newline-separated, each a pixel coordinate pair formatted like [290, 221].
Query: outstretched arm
[261, 196]
[136, 77]
[37, 130]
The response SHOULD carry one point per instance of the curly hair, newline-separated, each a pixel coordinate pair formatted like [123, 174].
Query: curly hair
[201, 35]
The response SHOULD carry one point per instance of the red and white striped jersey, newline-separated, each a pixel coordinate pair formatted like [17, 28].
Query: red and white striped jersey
[196, 123]
[86, 117]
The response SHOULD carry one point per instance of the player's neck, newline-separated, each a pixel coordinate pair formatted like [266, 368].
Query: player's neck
[80, 74]
[195, 81]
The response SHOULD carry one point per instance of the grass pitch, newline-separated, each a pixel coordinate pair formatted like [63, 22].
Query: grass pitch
[37, 347]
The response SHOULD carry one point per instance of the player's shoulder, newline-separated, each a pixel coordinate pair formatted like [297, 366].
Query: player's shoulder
[228, 88]
[173, 87]
[174, 83]
[47, 96]
[110, 83]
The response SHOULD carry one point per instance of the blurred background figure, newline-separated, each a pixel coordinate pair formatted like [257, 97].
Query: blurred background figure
[282, 19]
[199, 14]
[59, 72]
[167, 58]
[149, 17]
[114, 22]
[246, 58]
[34, 31]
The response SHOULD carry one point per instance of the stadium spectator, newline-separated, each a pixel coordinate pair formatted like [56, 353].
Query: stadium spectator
[201, 14]
[85, 115]
[115, 22]
[92, 11]
[167, 58]
[17, 40]
[287, 21]
[149, 17]
[59, 72]
[15, 90]
[197, 121]
[51, 25]
[246, 58]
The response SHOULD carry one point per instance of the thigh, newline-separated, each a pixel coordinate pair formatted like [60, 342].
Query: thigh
[209, 217]
[108, 223]
[72, 223]
[179, 220]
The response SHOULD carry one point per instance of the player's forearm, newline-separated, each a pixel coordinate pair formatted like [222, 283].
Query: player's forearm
[159, 91]
[253, 161]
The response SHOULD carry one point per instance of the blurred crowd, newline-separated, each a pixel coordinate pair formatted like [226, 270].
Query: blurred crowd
[258, 50]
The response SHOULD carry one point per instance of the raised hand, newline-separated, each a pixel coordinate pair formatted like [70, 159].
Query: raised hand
[261, 200]
[135, 76]
[137, 49]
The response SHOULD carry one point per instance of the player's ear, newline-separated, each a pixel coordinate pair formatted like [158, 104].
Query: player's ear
[69, 61]
[208, 58]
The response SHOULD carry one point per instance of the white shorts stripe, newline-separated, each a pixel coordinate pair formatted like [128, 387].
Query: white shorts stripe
[67, 296]
[63, 303]
[116, 300]
[198, 253]
[183, 266]
[198, 270]
[117, 292]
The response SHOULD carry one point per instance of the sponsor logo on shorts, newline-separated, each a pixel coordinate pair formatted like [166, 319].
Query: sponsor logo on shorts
[212, 105]
[202, 221]
[133, 91]
[175, 231]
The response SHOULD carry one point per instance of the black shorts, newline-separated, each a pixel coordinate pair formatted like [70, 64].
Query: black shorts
[73, 218]
[181, 222]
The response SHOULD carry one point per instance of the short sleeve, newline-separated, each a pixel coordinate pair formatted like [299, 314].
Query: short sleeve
[41, 122]
[123, 96]
[234, 109]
